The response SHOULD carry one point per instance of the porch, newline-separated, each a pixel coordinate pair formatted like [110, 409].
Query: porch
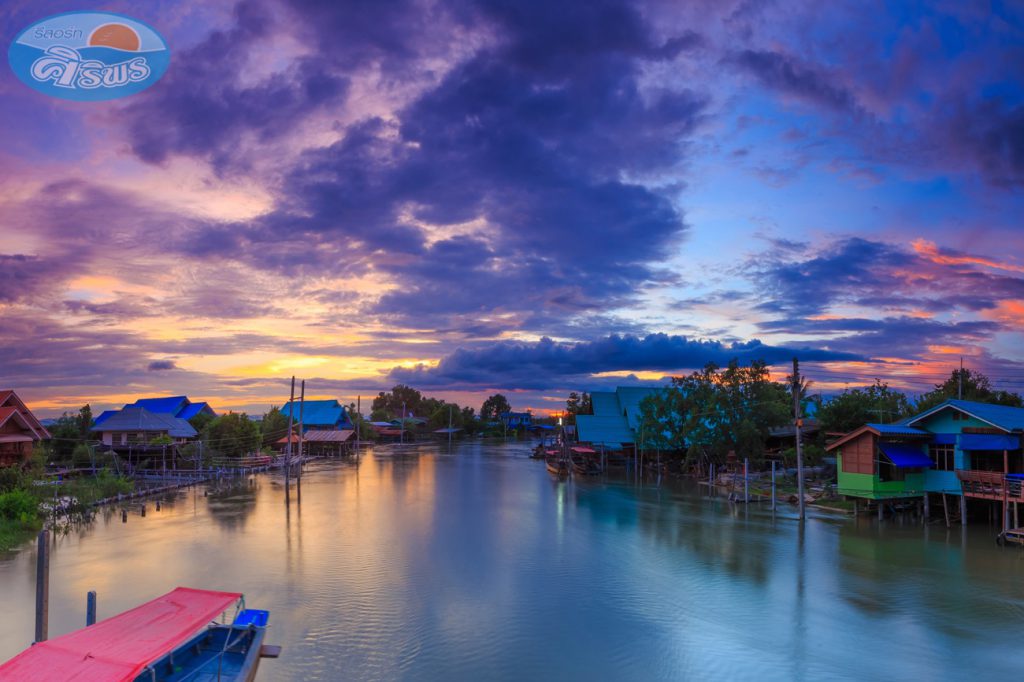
[991, 485]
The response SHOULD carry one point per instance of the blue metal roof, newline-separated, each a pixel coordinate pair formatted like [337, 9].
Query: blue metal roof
[612, 431]
[905, 455]
[133, 418]
[988, 441]
[1001, 416]
[898, 430]
[104, 416]
[169, 405]
[194, 409]
[630, 398]
[318, 413]
[605, 404]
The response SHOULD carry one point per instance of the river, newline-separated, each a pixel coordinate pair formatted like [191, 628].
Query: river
[422, 564]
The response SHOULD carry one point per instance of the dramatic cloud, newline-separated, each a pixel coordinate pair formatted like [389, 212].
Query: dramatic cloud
[546, 363]
[363, 193]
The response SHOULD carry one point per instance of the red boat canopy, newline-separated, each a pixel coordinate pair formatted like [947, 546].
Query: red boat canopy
[584, 451]
[119, 648]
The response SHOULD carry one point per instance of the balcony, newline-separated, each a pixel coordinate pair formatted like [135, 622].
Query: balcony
[989, 485]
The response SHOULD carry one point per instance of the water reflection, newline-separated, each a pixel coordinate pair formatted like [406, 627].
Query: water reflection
[414, 562]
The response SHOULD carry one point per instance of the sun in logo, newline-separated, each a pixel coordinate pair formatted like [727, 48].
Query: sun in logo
[115, 35]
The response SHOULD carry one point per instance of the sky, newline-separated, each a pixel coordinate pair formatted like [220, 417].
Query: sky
[517, 196]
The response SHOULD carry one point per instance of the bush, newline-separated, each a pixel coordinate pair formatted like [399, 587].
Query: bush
[18, 505]
[10, 478]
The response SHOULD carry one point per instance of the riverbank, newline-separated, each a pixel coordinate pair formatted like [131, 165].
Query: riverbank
[425, 564]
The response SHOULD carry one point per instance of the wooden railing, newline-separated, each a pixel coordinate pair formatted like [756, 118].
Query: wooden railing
[989, 485]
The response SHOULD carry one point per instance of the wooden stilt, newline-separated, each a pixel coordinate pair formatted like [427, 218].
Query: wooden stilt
[945, 509]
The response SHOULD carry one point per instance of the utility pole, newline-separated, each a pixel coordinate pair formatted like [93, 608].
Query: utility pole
[288, 447]
[401, 436]
[960, 387]
[797, 423]
[359, 417]
[302, 404]
[449, 428]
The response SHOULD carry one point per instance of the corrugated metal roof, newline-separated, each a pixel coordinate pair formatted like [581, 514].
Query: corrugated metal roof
[194, 409]
[898, 430]
[630, 398]
[134, 418]
[611, 431]
[318, 412]
[1001, 416]
[104, 416]
[328, 436]
[605, 404]
[170, 405]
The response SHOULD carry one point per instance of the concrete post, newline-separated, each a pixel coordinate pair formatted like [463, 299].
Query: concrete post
[90, 608]
[42, 586]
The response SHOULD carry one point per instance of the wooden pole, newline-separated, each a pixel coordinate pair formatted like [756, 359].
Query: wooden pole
[798, 422]
[359, 416]
[927, 508]
[1006, 506]
[773, 485]
[42, 585]
[302, 404]
[449, 427]
[90, 608]
[945, 509]
[746, 479]
[288, 446]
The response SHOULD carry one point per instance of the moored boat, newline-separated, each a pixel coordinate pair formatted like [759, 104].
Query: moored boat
[169, 639]
[557, 465]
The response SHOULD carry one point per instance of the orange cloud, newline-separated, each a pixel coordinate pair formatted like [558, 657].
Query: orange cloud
[930, 250]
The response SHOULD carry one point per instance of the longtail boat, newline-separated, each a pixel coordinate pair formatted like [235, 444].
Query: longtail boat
[170, 639]
[557, 465]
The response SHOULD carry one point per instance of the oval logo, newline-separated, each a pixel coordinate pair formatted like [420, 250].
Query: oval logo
[89, 56]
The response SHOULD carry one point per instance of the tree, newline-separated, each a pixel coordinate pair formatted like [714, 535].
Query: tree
[976, 387]
[391, 404]
[200, 421]
[853, 408]
[70, 431]
[274, 425]
[713, 412]
[470, 424]
[232, 435]
[494, 406]
[440, 416]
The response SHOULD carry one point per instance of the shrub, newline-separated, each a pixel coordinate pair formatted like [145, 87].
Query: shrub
[18, 505]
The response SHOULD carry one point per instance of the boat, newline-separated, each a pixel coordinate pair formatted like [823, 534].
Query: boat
[172, 638]
[584, 461]
[557, 465]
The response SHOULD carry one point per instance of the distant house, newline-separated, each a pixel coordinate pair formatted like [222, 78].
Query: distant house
[616, 417]
[178, 406]
[136, 427]
[516, 420]
[319, 415]
[19, 430]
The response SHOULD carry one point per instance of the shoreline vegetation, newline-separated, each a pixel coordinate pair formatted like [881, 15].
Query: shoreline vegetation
[715, 418]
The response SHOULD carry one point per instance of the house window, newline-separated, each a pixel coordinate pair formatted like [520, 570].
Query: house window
[942, 455]
[887, 471]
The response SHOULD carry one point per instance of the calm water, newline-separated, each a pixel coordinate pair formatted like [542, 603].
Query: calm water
[419, 564]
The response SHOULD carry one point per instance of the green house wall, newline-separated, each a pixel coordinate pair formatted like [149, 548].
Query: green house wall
[870, 487]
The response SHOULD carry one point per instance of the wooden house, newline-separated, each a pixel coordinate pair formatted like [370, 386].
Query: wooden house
[882, 461]
[19, 430]
[136, 427]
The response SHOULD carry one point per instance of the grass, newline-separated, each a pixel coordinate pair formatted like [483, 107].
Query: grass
[13, 534]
